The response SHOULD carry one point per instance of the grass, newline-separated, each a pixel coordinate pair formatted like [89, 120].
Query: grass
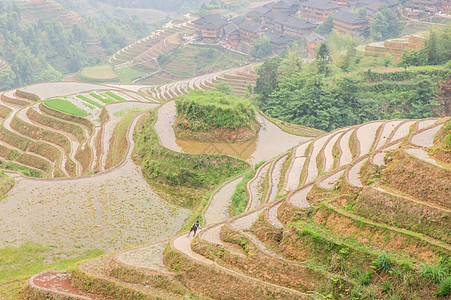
[101, 73]
[11, 166]
[65, 106]
[17, 264]
[104, 99]
[189, 175]
[114, 96]
[127, 75]
[86, 99]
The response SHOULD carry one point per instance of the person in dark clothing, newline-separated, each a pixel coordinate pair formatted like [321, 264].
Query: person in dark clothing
[194, 228]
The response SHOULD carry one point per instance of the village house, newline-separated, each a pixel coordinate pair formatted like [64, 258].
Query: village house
[232, 34]
[289, 7]
[277, 40]
[344, 3]
[210, 26]
[348, 22]
[250, 30]
[430, 5]
[313, 40]
[296, 27]
[318, 10]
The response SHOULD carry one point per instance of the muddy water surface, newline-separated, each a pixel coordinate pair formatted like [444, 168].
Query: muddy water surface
[270, 142]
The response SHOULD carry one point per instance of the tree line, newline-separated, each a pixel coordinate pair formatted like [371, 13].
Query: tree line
[44, 50]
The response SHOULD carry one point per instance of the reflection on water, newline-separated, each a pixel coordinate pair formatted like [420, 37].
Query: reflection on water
[270, 142]
[242, 150]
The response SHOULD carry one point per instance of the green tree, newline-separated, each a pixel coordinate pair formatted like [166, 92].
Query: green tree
[432, 51]
[323, 59]
[325, 27]
[385, 24]
[267, 76]
[262, 47]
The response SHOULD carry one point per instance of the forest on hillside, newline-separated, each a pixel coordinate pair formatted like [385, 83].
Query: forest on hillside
[330, 93]
[43, 50]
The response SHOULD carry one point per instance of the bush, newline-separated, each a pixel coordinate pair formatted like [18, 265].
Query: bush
[435, 273]
[383, 261]
[444, 288]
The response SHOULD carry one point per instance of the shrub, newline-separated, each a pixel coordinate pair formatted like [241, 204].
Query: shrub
[435, 273]
[444, 288]
[383, 262]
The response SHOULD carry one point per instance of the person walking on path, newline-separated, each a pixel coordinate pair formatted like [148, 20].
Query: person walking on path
[194, 228]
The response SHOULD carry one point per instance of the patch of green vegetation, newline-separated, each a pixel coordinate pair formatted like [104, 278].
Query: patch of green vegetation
[239, 197]
[192, 60]
[98, 74]
[115, 96]
[181, 172]
[19, 263]
[65, 106]
[89, 101]
[127, 75]
[206, 110]
[11, 166]
[104, 99]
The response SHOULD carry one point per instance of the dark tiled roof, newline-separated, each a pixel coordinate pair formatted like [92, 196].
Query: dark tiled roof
[237, 20]
[251, 26]
[298, 23]
[231, 28]
[277, 38]
[277, 16]
[258, 11]
[214, 21]
[321, 4]
[314, 37]
[348, 17]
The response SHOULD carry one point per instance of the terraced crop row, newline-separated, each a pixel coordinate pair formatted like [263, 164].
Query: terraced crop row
[238, 79]
[330, 192]
[143, 53]
[42, 141]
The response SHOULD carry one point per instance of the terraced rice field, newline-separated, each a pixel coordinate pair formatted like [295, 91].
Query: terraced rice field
[241, 253]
